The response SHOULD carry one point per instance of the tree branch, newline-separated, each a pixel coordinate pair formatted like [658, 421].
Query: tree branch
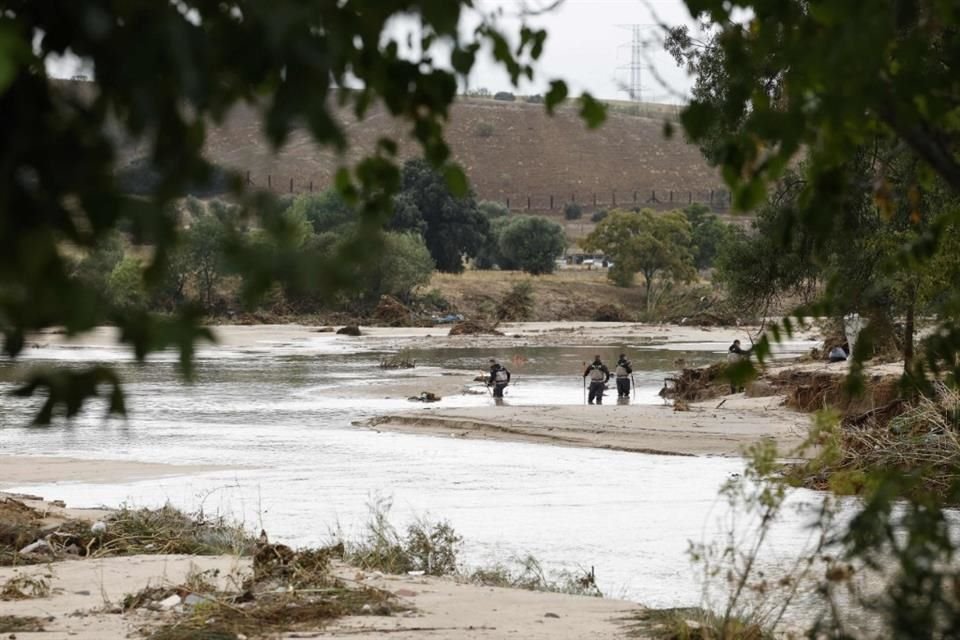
[925, 142]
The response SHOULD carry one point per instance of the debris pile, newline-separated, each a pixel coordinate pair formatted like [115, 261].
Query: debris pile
[611, 313]
[472, 328]
[349, 330]
[391, 312]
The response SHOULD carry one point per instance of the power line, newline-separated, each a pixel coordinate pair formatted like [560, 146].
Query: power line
[634, 84]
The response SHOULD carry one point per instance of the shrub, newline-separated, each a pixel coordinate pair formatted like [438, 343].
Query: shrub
[431, 547]
[204, 256]
[572, 211]
[517, 305]
[598, 215]
[404, 265]
[506, 96]
[434, 299]
[126, 285]
[534, 99]
[493, 209]
[483, 130]
[326, 211]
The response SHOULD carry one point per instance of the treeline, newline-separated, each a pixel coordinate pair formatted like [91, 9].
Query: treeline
[429, 229]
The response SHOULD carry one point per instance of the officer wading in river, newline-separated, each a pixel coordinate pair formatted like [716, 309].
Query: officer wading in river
[598, 374]
[499, 378]
[623, 371]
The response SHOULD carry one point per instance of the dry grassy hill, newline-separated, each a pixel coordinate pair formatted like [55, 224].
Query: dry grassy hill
[510, 151]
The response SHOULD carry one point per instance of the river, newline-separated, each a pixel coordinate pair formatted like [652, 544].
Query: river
[280, 415]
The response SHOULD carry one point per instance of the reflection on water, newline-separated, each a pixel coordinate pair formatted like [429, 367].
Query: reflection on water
[282, 416]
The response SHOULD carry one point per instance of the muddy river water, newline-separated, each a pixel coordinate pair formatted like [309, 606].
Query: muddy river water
[280, 416]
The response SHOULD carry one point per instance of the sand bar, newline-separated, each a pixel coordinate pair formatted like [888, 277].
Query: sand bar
[705, 429]
[23, 470]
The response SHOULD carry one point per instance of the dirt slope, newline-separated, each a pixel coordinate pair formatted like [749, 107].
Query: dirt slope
[510, 151]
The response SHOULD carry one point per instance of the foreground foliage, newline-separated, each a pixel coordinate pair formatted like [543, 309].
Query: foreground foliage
[161, 73]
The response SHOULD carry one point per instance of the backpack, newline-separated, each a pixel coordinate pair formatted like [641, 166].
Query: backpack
[596, 374]
[622, 371]
[502, 375]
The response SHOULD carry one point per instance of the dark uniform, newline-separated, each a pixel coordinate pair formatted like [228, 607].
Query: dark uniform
[499, 378]
[735, 354]
[598, 374]
[623, 371]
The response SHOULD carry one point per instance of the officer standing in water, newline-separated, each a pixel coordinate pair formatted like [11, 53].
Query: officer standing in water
[623, 371]
[598, 374]
[499, 378]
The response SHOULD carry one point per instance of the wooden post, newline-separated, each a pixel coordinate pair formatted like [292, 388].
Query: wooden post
[594, 199]
[671, 195]
[634, 197]
[528, 203]
[573, 197]
[689, 197]
[291, 185]
[248, 177]
[269, 184]
[614, 197]
[508, 203]
[551, 203]
[311, 186]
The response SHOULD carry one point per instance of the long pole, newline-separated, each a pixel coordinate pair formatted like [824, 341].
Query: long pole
[584, 385]
[633, 386]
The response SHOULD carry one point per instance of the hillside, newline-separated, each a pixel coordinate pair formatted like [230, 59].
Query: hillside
[511, 151]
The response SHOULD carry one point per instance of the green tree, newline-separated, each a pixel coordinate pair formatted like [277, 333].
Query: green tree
[493, 209]
[404, 265]
[162, 74]
[646, 242]
[453, 227]
[858, 90]
[532, 244]
[205, 256]
[572, 211]
[326, 211]
[127, 292]
[707, 233]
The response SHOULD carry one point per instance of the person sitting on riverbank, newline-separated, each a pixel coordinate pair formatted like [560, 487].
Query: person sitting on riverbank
[499, 378]
[735, 353]
[598, 374]
[623, 371]
[837, 354]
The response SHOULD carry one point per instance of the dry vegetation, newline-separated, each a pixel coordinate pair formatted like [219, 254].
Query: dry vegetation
[508, 150]
[565, 295]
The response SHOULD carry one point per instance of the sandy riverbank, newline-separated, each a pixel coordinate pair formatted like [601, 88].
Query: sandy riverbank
[705, 429]
[84, 597]
[515, 334]
[24, 470]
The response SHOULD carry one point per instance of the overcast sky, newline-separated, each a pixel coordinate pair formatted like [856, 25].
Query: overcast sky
[588, 46]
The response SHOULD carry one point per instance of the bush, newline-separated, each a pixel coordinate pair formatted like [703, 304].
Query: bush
[572, 211]
[404, 265]
[126, 286]
[534, 99]
[598, 215]
[325, 211]
[532, 244]
[431, 547]
[493, 209]
[204, 256]
[517, 305]
[483, 130]
[505, 96]
[435, 300]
